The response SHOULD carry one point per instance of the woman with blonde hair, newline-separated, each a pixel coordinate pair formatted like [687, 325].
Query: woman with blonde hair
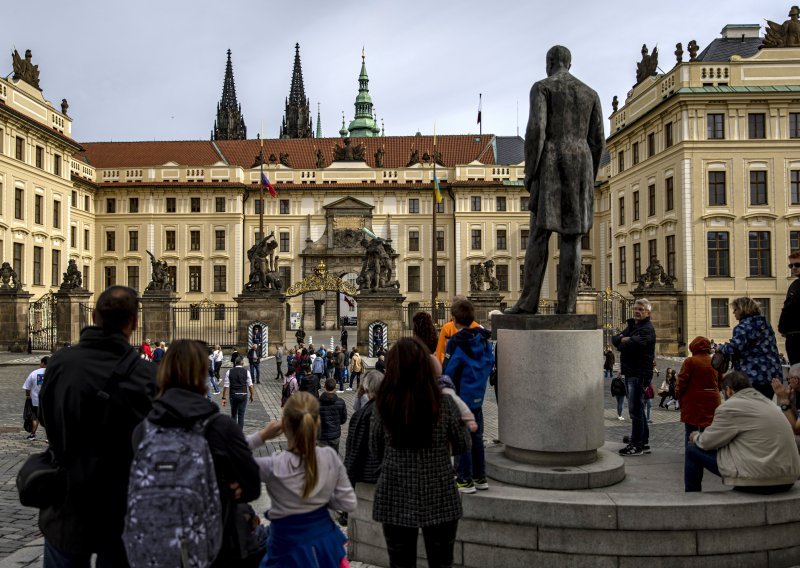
[303, 483]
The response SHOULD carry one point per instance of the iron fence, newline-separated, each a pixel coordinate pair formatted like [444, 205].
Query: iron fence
[216, 324]
[42, 324]
[85, 318]
[440, 313]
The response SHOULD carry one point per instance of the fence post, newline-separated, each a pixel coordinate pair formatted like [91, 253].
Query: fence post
[14, 310]
[68, 315]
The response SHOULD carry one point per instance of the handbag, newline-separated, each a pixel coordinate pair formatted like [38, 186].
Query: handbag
[28, 416]
[720, 362]
[41, 482]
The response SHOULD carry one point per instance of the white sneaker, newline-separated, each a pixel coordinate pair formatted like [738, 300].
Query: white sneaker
[348, 389]
[340, 392]
[620, 418]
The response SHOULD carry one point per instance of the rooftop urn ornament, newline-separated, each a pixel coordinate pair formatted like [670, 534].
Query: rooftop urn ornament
[615, 103]
[693, 48]
[679, 52]
[64, 106]
[783, 35]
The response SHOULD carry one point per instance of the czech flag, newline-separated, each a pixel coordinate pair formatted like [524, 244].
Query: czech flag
[268, 186]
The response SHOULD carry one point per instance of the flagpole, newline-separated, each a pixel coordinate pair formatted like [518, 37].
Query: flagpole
[434, 275]
[261, 186]
[480, 118]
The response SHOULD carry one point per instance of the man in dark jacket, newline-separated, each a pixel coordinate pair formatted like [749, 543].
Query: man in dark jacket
[340, 365]
[93, 396]
[332, 414]
[789, 322]
[637, 347]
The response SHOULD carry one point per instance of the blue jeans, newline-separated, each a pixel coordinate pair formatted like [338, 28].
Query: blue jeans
[107, 558]
[695, 462]
[473, 464]
[640, 432]
[620, 404]
[648, 407]
[238, 406]
[213, 382]
[255, 372]
[608, 373]
[339, 378]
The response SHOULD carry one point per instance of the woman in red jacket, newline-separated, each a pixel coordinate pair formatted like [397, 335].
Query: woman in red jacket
[697, 388]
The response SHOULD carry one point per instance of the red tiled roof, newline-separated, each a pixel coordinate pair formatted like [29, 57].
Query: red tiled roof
[147, 154]
[455, 149]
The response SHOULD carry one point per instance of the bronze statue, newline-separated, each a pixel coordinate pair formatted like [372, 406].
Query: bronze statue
[655, 277]
[159, 281]
[679, 52]
[693, 48]
[64, 106]
[348, 152]
[284, 159]
[8, 278]
[414, 158]
[73, 278]
[320, 159]
[783, 35]
[563, 145]
[24, 69]
[648, 66]
[615, 103]
[379, 157]
[263, 266]
[437, 158]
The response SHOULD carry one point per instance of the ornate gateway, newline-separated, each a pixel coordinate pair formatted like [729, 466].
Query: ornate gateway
[42, 327]
[321, 280]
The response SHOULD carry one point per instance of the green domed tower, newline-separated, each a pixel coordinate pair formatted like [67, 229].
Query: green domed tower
[364, 124]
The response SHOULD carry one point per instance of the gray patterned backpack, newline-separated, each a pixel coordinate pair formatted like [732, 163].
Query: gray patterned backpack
[174, 513]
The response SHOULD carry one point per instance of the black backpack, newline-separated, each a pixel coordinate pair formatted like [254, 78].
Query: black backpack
[618, 387]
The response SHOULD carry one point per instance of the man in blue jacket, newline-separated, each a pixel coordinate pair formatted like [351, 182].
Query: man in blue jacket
[637, 347]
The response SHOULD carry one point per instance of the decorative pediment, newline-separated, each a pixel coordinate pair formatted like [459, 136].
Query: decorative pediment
[347, 203]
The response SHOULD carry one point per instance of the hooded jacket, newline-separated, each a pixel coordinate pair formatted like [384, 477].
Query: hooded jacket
[637, 355]
[754, 350]
[462, 339]
[332, 414]
[698, 385]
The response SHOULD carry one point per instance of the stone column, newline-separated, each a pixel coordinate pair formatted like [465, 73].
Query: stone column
[68, 314]
[667, 318]
[268, 308]
[379, 305]
[485, 302]
[158, 319]
[587, 302]
[14, 310]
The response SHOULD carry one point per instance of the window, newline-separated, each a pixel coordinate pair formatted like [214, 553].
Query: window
[219, 204]
[284, 241]
[55, 267]
[220, 278]
[501, 272]
[669, 194]
[637, 260]
[257, 205]
[635, 205]
[85, 239]
[284, 207]
[719, 312]
[172, 276]
[622, 210]
[475, 203]
[652, 250]
[74, 201]
[716, 188]
[111, 240]
[476, 239]
[500, 203]
[19, 203]
[765, 307]
[195, 204]
[133, 277]
[413, 278]
[19, 256]
[413, 205]
[668, 140]
[86, 202]
[651, 200]
[56, 214]
[219, 312]
[439, 240]
[56, 164]
[194, 240]
[669, 244]
[623, 265]
[86, 277]
[523, 202]
[133, 241]
[718, 253]
[794, 186]
[635, 152]
[620, 161]
[37, 265]
[195, 278]
[760, 261]
[170, 205]
[523, 238]
[794, 125]
[37, 209]
[413, 241]
[133, 205]
[756, 125]
[219, 239]
[39, 157]
[19, 149]
[111, 205]
[440, 207]
[111, 276]
[169, 241]
[651, 145]
[758, 187]
[521, 276]
[794, 240]
[502, 241]
[441, 278]
[286, 275]
[73, 236]
[716, 126]
[585, 241]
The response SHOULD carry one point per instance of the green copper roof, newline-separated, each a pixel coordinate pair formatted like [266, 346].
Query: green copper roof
[729, 89]
[364, 124]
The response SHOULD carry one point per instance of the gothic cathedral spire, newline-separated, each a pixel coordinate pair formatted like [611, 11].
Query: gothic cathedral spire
[229, 124]
[297, 117]
[364, 124]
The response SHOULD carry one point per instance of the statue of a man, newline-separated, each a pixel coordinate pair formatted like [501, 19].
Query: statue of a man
[563, 144]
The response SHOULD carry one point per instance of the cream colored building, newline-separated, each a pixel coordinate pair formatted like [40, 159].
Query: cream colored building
[704, 173]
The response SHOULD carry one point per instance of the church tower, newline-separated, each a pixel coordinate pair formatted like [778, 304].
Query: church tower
[229, 124]
[364, 124]
[297, 117]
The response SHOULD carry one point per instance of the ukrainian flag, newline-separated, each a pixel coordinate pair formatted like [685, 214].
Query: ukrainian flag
[436, 189]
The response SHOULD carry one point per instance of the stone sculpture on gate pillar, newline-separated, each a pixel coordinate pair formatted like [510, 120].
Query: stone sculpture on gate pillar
[159, 280]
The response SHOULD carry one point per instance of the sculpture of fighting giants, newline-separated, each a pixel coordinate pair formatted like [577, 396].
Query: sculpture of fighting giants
[483, 273]
[655, 277]
[263, 266]
[376, 268]
[563, 144]
[159, 281]
[8, 278]
[72, 277]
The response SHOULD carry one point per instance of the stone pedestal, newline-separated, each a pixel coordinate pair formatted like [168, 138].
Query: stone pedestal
[667, 318]
[379, 306]
[587, 302]
[68, 314]
[485, 302]
[267, 308]
[14, 310]
[158, 318]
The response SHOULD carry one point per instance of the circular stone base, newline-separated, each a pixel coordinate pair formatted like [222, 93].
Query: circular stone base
[607, 470]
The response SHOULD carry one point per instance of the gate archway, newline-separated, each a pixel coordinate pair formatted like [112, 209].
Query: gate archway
[317, 284]
[613, 312]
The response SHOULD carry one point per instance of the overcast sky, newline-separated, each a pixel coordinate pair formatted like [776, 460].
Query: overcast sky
[153, 70]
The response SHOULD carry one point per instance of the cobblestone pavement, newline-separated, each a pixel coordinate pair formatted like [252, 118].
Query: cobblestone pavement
[20, 539]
